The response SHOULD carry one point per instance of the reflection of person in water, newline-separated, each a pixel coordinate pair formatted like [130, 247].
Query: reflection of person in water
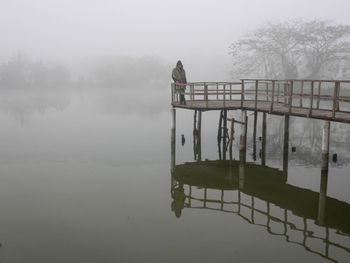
[179, 200]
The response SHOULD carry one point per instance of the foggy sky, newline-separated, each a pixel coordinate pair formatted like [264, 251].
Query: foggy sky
[187, 29]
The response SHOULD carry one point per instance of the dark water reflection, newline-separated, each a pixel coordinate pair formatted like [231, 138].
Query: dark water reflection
[264, 188]
[261, 196]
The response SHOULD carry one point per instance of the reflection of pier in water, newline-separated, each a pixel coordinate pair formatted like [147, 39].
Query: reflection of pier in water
[324, 219]
[192, 183]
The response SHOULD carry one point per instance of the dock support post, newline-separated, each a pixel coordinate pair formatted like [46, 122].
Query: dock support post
[321, 217]
[195, 132]
[285, 148]
[199, 136]
[231, 136]
[242, 160]
[243, 137]
[263, 141]
[173, 140]
[220, 128]
[254, 135]
[325, 145]
[224, 144]
[324, 174]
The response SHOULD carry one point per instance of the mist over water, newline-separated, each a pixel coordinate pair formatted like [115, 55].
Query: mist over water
[86, 170]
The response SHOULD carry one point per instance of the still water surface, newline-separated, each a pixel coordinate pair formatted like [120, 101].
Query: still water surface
[79, 183]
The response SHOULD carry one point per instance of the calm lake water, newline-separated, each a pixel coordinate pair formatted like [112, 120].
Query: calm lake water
[82, 182]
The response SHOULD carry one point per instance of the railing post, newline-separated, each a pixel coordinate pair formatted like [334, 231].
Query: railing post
[273, 94]
[311, 99]
[267, 91]
[284, 92]
[318, 95]
[242, 93]
[256, 94]
[230, 91]
[335, 99]
[217, 91]
[224, 95]
[291, 96]
[206, 94]
[278, 92]
[301, 94]
[172, 93]
[192, 88]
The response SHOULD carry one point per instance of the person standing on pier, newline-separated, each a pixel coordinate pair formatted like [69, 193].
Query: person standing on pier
[179, 76]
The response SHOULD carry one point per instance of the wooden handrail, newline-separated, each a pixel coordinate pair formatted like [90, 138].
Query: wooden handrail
[260, 91]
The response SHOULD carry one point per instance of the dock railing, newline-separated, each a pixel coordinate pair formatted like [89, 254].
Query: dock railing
[309, 95]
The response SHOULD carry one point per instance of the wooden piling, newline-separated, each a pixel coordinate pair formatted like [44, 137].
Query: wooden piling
[321, 217]
[254, 135]
[219, 136]
[241, 172]
[173, 140]
[224, 145]
[199, 136]
[325, 145]
[232, 131]
[243, 139]
[263, 141]
[285, 147]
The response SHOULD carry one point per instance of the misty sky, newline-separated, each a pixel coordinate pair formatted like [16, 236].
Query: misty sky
[64, 29]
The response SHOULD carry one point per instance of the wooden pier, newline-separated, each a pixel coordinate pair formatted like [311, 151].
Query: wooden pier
[317, 99]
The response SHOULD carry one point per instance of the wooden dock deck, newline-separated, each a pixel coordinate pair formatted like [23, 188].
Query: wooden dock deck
[317, 99]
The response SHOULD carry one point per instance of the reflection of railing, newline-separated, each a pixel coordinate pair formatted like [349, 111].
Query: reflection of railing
[236, 207]
[307, 98]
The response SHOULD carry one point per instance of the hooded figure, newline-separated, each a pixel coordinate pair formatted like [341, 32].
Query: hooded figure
[179, 76]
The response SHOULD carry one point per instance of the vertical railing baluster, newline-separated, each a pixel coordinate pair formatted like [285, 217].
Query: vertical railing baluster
[191, 94]
[291, 96]
[335, 100]
[206, 94]
[172, 93]
[217, 91]
[278, 92]
[301, 94]
[318, 95]
[224, 95]
[256, 94]
[230, 91]
[267, 91]
[273, 94]
[311, 99]
[242, 93]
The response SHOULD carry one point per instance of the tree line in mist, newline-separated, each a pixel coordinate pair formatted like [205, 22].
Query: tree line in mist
[21, 72]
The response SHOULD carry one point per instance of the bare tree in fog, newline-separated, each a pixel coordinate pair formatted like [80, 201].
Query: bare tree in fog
[293, 49]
